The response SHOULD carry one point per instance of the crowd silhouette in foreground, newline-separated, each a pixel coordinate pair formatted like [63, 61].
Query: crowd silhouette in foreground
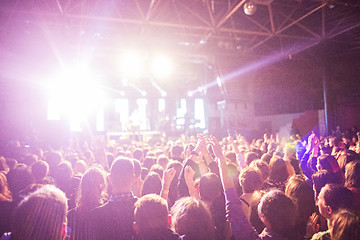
[195, 188]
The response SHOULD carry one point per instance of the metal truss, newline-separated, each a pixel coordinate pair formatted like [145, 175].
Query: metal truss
[206, 26]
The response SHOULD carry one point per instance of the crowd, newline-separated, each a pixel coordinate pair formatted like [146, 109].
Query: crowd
[196, 188]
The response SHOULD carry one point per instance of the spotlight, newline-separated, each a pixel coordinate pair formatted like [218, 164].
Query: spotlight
[131, 64]
[218, 80]
[249, 8]
[163, 94]
[190, 93]
[162, 66]
[143, 93]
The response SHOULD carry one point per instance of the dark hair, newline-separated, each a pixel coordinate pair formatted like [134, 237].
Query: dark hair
[158, 169]
[328, 162]
[280, 212]
[39, 169]
[122, 171]
[278, 170]
[137, 167]
[92, 187]
[263, 167]
[249, 157]
[210, 187]
[176, 151]
[138, 154]
[148, 162]
[266, 158]
[151, 212]
[190, 217]
[152, 184]
[18, 179]
[352, 174]
[303, 197]
[250, 180]
[337, 196]
[321, 178]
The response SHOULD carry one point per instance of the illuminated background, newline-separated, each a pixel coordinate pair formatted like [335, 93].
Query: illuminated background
[110, 65]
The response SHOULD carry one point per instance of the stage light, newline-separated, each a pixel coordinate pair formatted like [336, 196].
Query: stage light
[75, 94]
[249, 8]
[132, 64]
[218, 80]
[190, 93]
[143, 93]
[163, 94]
[162, 66]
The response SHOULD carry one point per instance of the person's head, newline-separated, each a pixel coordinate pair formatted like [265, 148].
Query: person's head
[320, 179]
[151, 213]
[80, 167]
[53, 159]
[190, 217]
[176, 151]
[122, 174]
[162, 160]
[278, 170]
[152, 184]
[327, 162]
[39, 170]
[210, 187]
[302, 195]
[263, 168]
[249, 157]
[333, 197]
[41, 215]
[250, 180]
[19, 178]
[149, 162]
[352, 175]
[345, 226]
[157, 168]
[92, 187]
[278, 212]
[138, 154]
[30, 158]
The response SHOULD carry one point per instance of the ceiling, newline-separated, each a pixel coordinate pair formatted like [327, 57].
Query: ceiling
[216, 34]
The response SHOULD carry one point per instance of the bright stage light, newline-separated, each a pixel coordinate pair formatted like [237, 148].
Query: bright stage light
[132, 64]
[162, 66]
[190, 93]
[218, 80]
[74, 94]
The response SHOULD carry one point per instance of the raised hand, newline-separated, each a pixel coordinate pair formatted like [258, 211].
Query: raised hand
[168, 176]
[312, 227]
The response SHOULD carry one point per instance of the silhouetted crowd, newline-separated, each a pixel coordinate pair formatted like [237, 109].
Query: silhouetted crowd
[190, 188]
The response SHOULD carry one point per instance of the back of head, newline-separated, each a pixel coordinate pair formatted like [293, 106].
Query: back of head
[138, 154]
[18, 179]
[278, 170]
[338, 197]
[149, 162]
[263, 167]
[250, 180]
[39, 169]
[352, 175]
[321, 178]
[151, 212]
[280, 212]
[249, 157]
[190, 217]
[345, 226]
[266, 158]
[328, 162]
[302, 195]
[122, 172]
[210, 187]
[41, 215]
[152, 184]
[92, 185]
[176, 151]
